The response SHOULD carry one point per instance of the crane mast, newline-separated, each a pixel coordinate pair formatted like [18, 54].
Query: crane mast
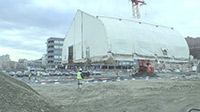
[135, 7]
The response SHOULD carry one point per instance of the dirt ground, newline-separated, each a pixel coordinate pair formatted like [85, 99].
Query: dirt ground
[155, 95]
[16, 96]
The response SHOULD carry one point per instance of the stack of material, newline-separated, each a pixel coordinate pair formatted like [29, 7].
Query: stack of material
[17, 96]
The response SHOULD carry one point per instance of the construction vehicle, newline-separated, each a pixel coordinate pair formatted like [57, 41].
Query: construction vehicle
[145, 66]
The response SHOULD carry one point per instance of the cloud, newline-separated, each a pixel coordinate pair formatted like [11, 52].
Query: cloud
[35, 45]
[26, 24]
[16, 54]
[183, 15]
[30, 15]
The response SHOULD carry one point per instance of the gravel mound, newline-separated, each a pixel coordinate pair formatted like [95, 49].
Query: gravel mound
[17, 96]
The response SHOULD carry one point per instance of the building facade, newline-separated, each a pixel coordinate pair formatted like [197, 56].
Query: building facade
[6, 63]
[44, 60]
[22, 64]
[54, 52]
[35, 63]
[194, 46]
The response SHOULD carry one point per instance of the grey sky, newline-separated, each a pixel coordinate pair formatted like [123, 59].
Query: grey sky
[25, 25]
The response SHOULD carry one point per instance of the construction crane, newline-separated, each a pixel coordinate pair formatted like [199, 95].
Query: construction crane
[135, 8]
[144, 65]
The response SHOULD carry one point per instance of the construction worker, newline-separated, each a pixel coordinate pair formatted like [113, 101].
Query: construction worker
[38, 75]
[79, 78]
[133, 71]
[29, 76]
[130, 74]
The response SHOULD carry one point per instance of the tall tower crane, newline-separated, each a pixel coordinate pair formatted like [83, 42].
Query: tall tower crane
[135, 8]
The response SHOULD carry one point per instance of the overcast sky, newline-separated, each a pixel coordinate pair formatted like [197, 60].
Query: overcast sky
[25, 25]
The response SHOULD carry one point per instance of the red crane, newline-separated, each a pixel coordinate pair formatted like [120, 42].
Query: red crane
[135, 8]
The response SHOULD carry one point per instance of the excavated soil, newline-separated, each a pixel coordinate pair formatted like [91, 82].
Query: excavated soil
[16, 96]
[155, 95]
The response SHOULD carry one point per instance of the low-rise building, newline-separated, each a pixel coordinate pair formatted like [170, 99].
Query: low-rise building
[44, 60]
[22, 64]
[6, 63]
[35, 63]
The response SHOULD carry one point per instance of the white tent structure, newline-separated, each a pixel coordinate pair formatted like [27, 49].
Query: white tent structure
[108, 39]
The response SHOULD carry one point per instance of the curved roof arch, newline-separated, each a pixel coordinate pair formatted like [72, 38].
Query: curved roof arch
[144, 39]
[125, 39]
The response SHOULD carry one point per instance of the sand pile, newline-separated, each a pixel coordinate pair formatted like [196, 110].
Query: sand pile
[16, 96]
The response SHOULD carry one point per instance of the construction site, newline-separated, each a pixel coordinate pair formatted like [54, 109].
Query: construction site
[126, 65]
[108, 42]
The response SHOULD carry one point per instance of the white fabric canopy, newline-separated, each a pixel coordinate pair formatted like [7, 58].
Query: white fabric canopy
[101, 38]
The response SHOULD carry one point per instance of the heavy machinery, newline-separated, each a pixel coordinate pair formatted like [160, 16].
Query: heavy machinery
[145, 66]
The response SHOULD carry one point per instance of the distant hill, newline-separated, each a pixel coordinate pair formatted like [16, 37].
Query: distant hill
[194, 46]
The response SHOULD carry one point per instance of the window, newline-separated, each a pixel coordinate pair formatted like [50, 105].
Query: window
[59, 42]
[51, 41]
[50, 56]
[57, 62]
[164, 51]
[58, 52]
[56, 42]
[50, 51]
[50, 46]
[58, 47]
[88, 52]
[50, 61]
[57, 57]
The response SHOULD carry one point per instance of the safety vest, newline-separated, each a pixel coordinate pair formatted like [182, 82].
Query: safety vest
[79, 76]
[130, 74]
[38, 73]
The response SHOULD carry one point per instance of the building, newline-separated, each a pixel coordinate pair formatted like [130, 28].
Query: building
[44, 60]
[35, 63]
[103, 39]
[22, 64]
[5, 58]
[194, 46]
[54, 52]
[6, 63]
